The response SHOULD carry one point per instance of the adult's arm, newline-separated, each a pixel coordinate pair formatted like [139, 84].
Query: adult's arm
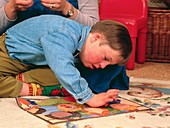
[5, 22]
[8, 12]
[88, 13]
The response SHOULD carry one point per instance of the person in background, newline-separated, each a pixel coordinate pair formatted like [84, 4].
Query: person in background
[64, 45]
[14, 11]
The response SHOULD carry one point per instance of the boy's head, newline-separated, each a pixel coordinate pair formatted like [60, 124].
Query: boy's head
[108, 43]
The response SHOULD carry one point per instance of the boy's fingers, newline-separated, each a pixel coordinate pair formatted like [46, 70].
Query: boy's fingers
[112, 93]
[111, 96]
[112, 90]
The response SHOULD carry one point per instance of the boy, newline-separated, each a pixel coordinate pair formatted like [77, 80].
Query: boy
[63, 45]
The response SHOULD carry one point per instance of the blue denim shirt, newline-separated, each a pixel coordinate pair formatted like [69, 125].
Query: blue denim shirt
[52, 40]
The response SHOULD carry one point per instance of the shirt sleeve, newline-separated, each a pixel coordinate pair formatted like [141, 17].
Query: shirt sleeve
[60, 59]
[88, 12]
[5, 22]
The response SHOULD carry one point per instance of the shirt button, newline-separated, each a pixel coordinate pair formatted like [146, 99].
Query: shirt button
[80, 100]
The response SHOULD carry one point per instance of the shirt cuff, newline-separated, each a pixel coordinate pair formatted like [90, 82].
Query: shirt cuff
[84, 96]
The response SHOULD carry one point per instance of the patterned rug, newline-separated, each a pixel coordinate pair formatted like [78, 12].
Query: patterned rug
[145, 105]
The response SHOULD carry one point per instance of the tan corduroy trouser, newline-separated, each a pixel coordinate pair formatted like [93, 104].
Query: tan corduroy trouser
[10, 68]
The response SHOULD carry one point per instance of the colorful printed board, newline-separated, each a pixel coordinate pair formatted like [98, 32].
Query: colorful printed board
[62, 109]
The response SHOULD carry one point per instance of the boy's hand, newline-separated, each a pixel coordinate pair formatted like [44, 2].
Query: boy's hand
[102, 99]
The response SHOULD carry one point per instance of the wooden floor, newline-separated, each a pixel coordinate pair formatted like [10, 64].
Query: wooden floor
[151, 70]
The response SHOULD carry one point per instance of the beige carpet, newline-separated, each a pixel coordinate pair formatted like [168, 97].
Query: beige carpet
[151, 70]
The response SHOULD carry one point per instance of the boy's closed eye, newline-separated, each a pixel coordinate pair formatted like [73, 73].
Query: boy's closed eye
[107, 59]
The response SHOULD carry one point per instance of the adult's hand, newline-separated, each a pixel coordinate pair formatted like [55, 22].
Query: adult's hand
[21, 5]
[13, 6]
[55, 5]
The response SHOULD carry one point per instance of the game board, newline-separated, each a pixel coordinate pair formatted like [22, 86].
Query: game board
[63, 109]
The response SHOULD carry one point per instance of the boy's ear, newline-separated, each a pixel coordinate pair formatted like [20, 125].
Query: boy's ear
[96, 36]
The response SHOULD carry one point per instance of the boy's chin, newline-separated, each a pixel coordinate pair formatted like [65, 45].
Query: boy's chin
[91, 67]
[88, 66]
